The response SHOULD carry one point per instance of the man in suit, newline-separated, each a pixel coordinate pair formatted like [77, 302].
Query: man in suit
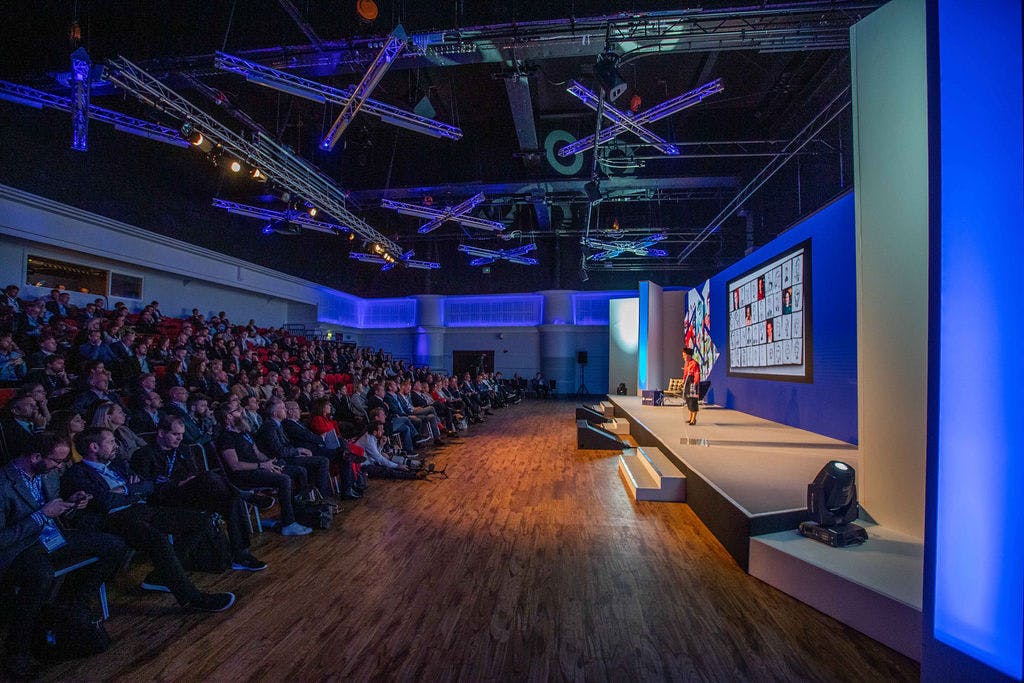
[178, 482]
[96, 392]
[146, 418]
[177, 404]
[395, 423]
[272, 440]
[138, 363]
[300, 435]
[116, 508]
[18, 426]
[59, 305]
[33, 545]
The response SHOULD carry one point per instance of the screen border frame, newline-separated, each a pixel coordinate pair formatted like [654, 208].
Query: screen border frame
[808, 376]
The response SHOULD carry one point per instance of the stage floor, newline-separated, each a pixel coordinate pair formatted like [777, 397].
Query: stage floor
[762, 467]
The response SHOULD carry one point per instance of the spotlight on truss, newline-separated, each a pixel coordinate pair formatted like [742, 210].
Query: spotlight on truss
[609, 249]
[293, 217]
[458, 213]
[488, 256]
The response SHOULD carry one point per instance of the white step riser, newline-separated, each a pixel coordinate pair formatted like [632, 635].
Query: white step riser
[670, 490]
[616, 426]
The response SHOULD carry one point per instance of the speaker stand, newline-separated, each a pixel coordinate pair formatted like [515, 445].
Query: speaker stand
[582, 390]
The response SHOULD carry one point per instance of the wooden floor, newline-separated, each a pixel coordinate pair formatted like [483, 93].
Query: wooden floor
[529, 563]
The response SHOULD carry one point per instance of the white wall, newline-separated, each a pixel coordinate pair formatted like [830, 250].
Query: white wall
[623, 343]
[888, 55]
[673, 312]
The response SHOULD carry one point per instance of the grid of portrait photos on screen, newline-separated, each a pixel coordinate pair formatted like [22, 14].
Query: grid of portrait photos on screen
[767, 319]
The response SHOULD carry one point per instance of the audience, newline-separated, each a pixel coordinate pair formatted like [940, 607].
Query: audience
[191, 421]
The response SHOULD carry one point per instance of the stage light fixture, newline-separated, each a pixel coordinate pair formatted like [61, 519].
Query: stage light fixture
[607, 71]
[258, 175]
[235, 166]
[366, 10]
[832, 506]
[593, 191]
[268, 229]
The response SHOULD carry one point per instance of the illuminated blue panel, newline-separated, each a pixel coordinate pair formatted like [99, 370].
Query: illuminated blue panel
[591, 308]
[389, 313]
[645, 320]
[509, 310]
[979, 571]
[338, 308]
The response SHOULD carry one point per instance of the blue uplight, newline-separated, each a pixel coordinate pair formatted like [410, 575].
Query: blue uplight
[979, 568]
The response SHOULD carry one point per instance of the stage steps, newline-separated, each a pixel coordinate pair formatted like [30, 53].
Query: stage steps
[649, 475]
[606, 408]
[592, 437]
[617, 425]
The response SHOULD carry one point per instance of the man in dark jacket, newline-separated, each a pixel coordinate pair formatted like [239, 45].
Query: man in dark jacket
[116, 507]
[33, 544]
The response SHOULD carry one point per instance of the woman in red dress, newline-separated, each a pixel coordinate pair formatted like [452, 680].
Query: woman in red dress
[691, 383]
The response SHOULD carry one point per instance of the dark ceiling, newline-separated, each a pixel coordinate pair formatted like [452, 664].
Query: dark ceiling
[781, 65]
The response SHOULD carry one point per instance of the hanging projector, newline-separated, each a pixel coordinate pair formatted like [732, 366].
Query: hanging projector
[607, 71]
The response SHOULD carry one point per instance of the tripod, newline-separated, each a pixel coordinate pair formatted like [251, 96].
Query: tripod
[583, 390]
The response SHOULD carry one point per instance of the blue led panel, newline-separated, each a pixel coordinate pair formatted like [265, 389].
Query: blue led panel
[387, 313]
[591, 308]
[338, 308]
[979, 570]
[511, 310]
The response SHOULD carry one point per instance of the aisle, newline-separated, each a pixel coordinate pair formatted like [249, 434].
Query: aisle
[528, 563]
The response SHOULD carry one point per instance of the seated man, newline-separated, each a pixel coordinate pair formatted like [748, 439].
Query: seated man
[395, 422]
[177, 482]
[116, 508]
[273, 441]
[33, 545]
[377, 464]
[539, 386]
[18, 426]
[302, 436]
[177, 404]
[247, 467]
[147, 417]
[426, 413]
[52, 376]
[96, 392]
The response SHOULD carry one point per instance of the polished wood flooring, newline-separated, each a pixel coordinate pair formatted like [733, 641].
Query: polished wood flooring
[529, 563]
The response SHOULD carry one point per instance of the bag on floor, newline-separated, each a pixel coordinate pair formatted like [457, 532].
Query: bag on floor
[207, 550]
[314, 515]
[69, 632]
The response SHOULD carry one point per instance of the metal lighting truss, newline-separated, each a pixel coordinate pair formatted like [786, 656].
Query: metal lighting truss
[318, 92]
[378, 67]
[387, 260]
[22, 94]
[622, 122]
[276, 161]
[459, 214]
[488, 256]
[293, 216]
[610, 249]
[808, 133]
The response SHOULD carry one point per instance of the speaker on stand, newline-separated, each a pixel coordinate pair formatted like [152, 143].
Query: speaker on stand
[581, 360]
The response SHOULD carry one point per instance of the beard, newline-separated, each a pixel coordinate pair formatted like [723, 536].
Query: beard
[242, 425]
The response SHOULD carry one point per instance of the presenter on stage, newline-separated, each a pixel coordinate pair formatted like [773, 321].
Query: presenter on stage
[691, 383]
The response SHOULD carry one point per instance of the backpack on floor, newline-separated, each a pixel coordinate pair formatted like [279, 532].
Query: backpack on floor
[207, 550]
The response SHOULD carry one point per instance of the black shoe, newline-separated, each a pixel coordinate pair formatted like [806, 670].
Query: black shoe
[351, 494]
[154, 582]
[248, 563]
[211, 602]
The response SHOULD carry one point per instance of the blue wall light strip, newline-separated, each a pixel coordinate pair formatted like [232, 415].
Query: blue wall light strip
[979, 506]
[645, 321]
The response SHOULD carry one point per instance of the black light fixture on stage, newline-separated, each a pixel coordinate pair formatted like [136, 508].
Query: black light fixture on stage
[607, 72]
[832, 506]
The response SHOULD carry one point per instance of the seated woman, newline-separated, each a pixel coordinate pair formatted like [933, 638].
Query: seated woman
[112, 416]
[65, 424]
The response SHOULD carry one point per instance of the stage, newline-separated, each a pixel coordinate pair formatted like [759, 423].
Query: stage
[746, 478]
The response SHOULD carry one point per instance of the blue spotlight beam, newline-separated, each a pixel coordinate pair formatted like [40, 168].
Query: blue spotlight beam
[609, 249]
[22, 94]
[295, 217]
[622, 122]
[277, 161]
[458, 214]
[318, 92]
[395, 43]
[487, 256]
[81, 65]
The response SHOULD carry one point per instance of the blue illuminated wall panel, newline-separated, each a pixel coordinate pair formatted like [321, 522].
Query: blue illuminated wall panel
[494, 311]
[387, 313]
[974, 570]
[591, 308]
[828, 405]
[338, 308]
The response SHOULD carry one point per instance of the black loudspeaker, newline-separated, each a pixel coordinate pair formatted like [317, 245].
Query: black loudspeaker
[581, 357]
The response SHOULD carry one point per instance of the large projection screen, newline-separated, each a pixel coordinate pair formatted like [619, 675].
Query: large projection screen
[770, 319]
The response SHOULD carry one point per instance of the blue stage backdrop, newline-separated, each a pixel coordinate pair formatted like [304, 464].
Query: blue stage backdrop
[828, 404]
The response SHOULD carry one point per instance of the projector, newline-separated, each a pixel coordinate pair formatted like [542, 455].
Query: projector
[836, 536]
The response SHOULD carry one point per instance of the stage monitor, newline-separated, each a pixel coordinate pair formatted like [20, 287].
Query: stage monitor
[770, 319]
